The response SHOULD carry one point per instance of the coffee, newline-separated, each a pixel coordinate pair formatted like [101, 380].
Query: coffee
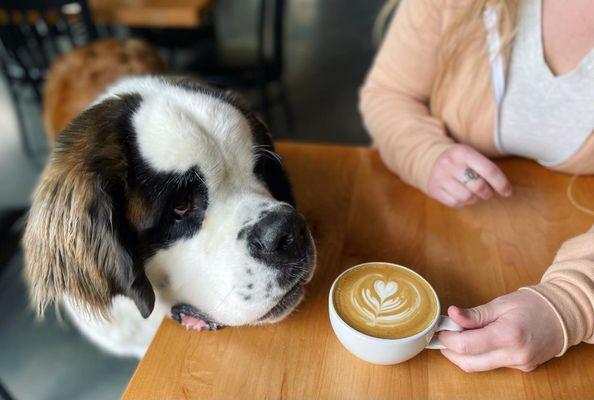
[385, 301]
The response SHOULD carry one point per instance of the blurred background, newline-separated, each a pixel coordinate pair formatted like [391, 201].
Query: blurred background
[299, 63]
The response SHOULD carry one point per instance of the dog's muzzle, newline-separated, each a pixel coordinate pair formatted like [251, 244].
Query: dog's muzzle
[279, 238]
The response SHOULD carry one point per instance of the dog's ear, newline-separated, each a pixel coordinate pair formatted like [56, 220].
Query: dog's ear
[269, 166]
[77, 242]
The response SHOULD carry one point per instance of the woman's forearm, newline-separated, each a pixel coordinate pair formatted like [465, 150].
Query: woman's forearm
[394, 99]
[568, 286]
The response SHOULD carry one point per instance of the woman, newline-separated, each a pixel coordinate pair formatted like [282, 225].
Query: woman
[458, 81]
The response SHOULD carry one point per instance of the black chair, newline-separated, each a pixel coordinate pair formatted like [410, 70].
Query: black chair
[265, 69]
[4, 394]
[11, 226]
[200, 40]
[32, 33]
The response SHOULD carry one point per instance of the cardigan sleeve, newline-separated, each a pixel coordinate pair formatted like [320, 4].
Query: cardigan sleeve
[568, 287]
[394, 100]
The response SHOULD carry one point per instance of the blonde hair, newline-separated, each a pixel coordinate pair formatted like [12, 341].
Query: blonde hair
[381, 21]
[464, 39]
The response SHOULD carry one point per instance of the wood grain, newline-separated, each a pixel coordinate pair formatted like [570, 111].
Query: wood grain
[151, 13]
[358, 211]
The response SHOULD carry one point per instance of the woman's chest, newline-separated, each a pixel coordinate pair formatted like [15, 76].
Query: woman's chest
[567, 33]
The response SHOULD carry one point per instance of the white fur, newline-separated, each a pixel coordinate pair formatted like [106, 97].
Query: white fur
[178, 129]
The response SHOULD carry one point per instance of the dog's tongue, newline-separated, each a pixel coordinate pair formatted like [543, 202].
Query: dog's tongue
[193, 323]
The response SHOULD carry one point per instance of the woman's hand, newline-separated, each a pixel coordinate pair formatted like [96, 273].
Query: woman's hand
[518, 330]
[446, 182]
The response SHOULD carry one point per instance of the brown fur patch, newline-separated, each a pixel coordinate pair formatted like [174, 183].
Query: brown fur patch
[62, 242]
[138, 211]
[79, 76]
[71, 243]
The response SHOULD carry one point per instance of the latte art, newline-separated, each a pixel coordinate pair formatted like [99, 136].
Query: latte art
[385, 301]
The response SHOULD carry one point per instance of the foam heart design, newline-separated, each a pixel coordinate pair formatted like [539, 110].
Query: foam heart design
[384, 290]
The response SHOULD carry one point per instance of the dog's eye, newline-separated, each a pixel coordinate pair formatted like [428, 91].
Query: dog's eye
[181, 210]
[186, 201]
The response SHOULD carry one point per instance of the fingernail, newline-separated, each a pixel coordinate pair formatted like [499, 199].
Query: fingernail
[462, 311]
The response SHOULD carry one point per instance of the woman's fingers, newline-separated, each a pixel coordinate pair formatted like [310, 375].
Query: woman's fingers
[481, 188]
[445, 198]
[459, 192]
[480, 362]
[489, 171]
[478, 186]
[472, 341]
[446, 181]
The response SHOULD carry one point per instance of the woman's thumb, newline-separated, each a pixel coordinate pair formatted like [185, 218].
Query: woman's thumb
[472, 318]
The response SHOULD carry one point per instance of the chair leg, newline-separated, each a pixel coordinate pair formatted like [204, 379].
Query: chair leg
[4, 394]
[24, 136]
[26, 142]
[173, 58]
[287, 109]
[265, 104]
[12, 226]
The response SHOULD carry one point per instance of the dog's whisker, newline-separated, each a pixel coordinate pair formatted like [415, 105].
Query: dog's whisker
[264, 150]
[199, 177]
[224, 299]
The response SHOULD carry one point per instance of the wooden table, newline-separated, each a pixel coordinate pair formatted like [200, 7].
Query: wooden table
[151, 13]
[358, 211]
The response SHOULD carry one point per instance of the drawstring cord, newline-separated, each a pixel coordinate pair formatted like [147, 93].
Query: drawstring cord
[572, 199]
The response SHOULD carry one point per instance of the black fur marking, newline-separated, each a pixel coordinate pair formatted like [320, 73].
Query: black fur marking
[269, 170]
[105, 136]
[163, 191]
[242, 232]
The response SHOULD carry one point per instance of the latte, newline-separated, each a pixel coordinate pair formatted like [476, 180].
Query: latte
[385, 301]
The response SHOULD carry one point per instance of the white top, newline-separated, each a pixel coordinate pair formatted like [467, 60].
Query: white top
[540, 116]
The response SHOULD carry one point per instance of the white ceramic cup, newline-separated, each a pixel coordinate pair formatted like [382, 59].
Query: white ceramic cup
[389, 351]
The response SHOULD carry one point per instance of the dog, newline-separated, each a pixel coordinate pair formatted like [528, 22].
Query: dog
[78, 76]
[165, 197]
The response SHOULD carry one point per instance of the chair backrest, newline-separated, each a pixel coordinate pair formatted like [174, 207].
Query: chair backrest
[271, 31]
[33, 32]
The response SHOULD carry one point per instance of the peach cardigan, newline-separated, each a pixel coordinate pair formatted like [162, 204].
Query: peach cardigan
[395, 102]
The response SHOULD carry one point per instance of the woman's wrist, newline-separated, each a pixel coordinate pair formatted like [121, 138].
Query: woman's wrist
[539, 291]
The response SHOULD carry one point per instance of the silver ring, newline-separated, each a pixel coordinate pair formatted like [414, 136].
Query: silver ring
[469, 175]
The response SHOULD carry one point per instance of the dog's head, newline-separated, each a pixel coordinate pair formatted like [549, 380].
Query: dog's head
[168, 190]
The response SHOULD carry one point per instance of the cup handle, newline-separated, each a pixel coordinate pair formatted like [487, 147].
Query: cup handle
[445, 324]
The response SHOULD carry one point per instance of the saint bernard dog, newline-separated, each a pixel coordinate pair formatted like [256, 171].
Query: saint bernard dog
[165, 197]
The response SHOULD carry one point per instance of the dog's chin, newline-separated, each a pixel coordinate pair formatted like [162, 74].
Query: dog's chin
[284, 307]
[287, 303]
[183, 313]
[293, 297]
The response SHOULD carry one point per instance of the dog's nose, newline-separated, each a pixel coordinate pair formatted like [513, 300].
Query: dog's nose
[280, 236]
